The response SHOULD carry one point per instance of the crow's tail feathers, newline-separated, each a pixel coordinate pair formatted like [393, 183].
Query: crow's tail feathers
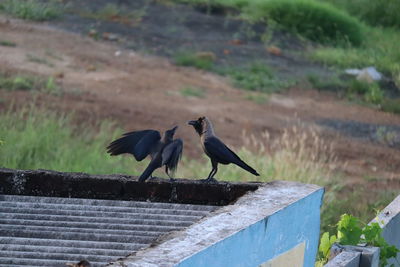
[148, 171]
[243, 165]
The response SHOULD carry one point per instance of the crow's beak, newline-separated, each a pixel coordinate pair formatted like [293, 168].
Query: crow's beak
[191, 122]
[174, 129]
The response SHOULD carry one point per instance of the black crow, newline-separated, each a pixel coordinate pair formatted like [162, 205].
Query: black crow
[163, 151]
[215, 149]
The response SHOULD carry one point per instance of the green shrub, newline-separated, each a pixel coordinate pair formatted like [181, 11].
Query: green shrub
[391, 105]
[374, 95]
[193, 60]
[376, 12]
[32, 9]
[371, 92]
[17, 83]
[320, 22]
[327, 83]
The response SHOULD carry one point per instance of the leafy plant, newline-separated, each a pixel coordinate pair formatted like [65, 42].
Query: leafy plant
[350, 231]
[325, 245]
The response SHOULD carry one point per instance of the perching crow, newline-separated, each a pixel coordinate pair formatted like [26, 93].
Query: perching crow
[163, 151]
[216, 149]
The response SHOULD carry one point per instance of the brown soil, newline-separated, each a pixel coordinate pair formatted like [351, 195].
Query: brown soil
[101, 81]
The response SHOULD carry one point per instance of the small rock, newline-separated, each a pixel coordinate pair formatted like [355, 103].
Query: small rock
[364, 77]
[110, 36]
[274, 50]
[354, 72]
[93, 33]
[369, 74]
[236, 42]
[117, 53]
[91, 68]
[58, 75]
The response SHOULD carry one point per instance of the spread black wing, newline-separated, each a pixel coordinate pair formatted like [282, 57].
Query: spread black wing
[219, 152]
[172, 153]
[137, 143]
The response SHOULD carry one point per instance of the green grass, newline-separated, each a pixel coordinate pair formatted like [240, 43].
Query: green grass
[39, 60]
[255, 77]
[114, 12]
[380, 50]
[257, 98]
[29, 83]
[7, 43]
[34, 139]
[391, 105]
[359, 91]
[18, 83]
[32, 9]
[191, 91]
[191, 59]
[327, 83]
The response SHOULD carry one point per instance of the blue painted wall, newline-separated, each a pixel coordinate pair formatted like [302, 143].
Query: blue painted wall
[266, 239]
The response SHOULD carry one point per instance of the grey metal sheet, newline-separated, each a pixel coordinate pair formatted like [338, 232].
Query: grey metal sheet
[47, 231]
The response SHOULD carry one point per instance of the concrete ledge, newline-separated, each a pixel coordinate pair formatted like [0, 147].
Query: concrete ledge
[345, 259]
[118, 187]
[259, 227]
[389, 220]
[369, 256]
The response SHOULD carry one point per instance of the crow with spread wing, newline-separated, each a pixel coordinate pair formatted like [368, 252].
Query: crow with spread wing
[163, 151]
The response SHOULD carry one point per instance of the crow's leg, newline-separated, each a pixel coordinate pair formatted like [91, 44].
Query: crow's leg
[210, 178]
[170, 178]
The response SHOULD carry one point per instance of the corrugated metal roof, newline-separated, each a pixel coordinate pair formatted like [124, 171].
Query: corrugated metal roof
[50, 231]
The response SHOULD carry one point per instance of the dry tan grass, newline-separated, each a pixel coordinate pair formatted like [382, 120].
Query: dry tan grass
[297, 155]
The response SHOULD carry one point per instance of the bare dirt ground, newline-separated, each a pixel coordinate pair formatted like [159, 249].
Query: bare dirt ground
[102, 81]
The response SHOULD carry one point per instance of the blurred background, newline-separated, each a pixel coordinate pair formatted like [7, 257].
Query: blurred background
[303, 90]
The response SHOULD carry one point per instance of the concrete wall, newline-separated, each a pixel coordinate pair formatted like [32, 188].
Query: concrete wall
[275, 235]
[389, 219]
[276, 225]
